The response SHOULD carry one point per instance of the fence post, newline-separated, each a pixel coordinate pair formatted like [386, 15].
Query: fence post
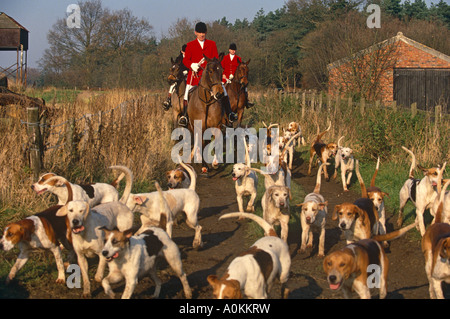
[362, 105]
[313, 100]
[36, 145]
[413, 110]
[438, 113]
[320, 101]
[303, 103]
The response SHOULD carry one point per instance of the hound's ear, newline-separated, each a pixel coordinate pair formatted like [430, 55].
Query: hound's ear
[213, 280]
[299, 205]
[360, 213]
[322, 205]
[334, 215]
[385, 194]
[139, 200]
[62, 211]
[128, 233]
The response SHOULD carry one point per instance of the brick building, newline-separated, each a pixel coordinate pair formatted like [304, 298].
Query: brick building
[399, 69]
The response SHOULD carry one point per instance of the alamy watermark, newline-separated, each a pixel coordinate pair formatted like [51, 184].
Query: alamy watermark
[374, 19]
[74, 18]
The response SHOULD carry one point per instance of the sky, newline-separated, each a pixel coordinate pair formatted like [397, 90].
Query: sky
[38, 16]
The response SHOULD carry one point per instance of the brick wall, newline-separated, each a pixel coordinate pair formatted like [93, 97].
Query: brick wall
[403, 55]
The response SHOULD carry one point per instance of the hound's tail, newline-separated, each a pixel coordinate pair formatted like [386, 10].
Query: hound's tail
[128, 181]
[66, 183]
[441, 194]
[372, 182]
[268, 229]
[413, 162]
[319, 178]
[115, 183]
[395, 234]
[191, 174]
[320, 135]
[339, 141]
[361, 181]
[288, 143]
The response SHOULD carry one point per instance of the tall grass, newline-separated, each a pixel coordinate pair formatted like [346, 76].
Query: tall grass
[83, 138]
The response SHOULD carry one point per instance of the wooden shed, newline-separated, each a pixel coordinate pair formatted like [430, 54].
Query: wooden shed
[400, 69]
[14, 37]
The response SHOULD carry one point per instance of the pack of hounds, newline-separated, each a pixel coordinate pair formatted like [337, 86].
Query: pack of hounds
[94, 220]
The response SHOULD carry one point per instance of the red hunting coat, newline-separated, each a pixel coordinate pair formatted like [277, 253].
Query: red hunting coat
[229, 66]
[194, 53]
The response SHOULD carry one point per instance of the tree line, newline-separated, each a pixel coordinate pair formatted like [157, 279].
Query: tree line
[288, 47]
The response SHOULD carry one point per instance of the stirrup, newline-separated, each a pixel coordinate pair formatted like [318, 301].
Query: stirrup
[183, 121]
[232, 117]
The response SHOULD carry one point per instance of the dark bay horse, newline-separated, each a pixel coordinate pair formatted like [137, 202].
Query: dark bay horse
[205, 100]
[236, 90]
[177, 76]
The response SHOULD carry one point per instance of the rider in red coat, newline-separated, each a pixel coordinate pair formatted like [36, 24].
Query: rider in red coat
[195, 62]
[230, 63]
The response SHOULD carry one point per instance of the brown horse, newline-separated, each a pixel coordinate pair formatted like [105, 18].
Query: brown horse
[236, 90]
[205, 100]
[176, 75]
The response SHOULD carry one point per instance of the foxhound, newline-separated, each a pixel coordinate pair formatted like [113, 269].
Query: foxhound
[294, 128]
[252, 273]
[322, 150]
[133, 257]
[376, 195]
[436, 250]
[344, 159]
[44, 230]
[350, 267]
[359, 220]
[421, 192]
[246, 182]
[179, 200]
[94, 194]
[313, 214]
[85, 224]
[179, 177]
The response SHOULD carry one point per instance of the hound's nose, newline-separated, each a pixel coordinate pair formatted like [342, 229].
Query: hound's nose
[75, 222]
[342, 225]
[332, 278]
[105, 253]
[32, 187]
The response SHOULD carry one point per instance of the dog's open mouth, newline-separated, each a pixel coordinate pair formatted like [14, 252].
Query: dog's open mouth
[41, 191]
[235, 178]
[111, 258]
[335, 286]
[77, 229]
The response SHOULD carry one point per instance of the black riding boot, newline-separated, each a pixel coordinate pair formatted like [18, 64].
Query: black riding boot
[183, 120]
[231, 116]
[167, 103]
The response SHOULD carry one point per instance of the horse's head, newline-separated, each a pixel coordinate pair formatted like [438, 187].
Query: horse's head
[176, 70]
[241, 74]
[212, 77]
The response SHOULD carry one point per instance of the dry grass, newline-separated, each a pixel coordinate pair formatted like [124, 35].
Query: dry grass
[83, 137]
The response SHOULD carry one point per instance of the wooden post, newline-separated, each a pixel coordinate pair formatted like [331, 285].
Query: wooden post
[438, 113]
[362, 105]
[36, 145]
[303, 103]
[336, 106]
[329, 101]
[320, 101]
[350, 103]
[313, 101]
[413, 110]
[394, 106]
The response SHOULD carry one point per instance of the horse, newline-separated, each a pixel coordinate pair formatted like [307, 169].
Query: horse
[177, 76]
[205, 100]
[236, 90]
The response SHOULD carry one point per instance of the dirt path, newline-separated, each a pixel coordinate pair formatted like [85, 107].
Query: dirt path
[224, 240]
